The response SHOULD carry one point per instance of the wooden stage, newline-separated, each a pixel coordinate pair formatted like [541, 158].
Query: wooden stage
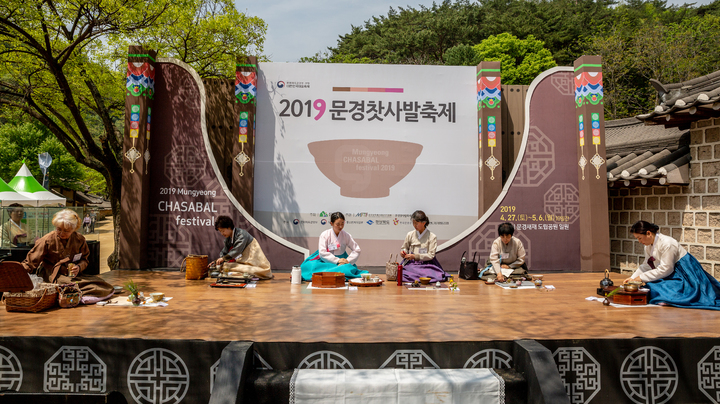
[278, 311]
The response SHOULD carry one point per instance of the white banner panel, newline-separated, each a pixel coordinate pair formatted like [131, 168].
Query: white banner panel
[375, 142]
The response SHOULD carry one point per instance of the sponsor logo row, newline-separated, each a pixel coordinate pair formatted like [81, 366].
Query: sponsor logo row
[369, 222]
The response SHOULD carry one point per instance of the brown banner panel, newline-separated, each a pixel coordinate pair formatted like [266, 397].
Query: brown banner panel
[592, 169]
[490, 140]
[243, 141]
[139, 94]
[186, 194]
[542, 202]
[220, 122]
[513, 120]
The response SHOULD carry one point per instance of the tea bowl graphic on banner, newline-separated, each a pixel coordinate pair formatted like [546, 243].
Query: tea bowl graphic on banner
[365, 168]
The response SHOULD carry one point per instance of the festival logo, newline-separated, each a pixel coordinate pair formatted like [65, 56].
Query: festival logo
[396, 221]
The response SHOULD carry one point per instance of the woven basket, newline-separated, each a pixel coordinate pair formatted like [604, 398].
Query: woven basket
[196, 267]
[14, 278]
[32, 301]
[391, 268]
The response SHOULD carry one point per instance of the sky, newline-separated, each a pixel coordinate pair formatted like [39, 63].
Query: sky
[303, 28]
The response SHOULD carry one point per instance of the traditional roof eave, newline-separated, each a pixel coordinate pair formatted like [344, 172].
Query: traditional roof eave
[638, 155]
[685, 102]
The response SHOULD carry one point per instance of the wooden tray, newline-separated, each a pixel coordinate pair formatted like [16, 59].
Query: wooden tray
[328, 280]
[359, 283]
[638, 298]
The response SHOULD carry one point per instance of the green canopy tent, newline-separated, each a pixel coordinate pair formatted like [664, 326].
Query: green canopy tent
[26, 185]
[8, 196]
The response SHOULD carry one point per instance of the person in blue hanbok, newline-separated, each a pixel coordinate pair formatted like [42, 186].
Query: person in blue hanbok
[331, 255]
[418, 252]
[674, 277]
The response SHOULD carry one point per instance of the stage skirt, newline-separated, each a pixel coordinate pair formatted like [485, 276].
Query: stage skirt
[688, 286]
[315, 264]
[414, 270]
[252, 261]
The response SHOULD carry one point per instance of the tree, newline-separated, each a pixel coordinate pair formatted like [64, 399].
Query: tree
[327, 57]
[461, 55]
[413, 36]
[22, 143]
[521, 60]
[560, 24]
[423, 36]
[208, 35]
[62, 66]
[668, 52]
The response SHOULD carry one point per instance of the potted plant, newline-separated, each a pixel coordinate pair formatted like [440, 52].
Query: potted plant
[134, 290]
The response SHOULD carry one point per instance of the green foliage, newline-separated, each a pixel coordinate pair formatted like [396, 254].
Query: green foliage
[24, 142]
[558, 23]
[62, 64]
[638, 40]
[412, 36]
[669, 52]
[461, 55]
[326, 57]
[132, 287]
[423, 36]
[206, 34]
[521, 59]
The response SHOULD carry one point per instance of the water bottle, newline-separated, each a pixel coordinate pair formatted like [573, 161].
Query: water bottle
[296, 275]
[399, 274]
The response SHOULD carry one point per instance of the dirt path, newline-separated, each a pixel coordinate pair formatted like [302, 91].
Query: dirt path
[104, 234]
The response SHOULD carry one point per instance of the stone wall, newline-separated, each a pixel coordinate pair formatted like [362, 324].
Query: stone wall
[690, 214]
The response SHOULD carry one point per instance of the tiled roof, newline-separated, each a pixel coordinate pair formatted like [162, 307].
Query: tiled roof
[686, 102]
[645, 155]
[91, 199]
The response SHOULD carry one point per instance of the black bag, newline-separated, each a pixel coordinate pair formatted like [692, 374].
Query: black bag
[469, 269]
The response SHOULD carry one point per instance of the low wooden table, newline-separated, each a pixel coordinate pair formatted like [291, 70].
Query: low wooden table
[328, 280]
[629, 298]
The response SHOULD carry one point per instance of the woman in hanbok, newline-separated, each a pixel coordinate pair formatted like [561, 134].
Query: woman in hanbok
[331, 255]
[418, 252]
[15, 233]
[241, 252]
[674, 277]
[61, 256]
[507, 256]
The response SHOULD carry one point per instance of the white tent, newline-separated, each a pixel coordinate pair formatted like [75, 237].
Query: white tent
[26, 185]
[8, 196]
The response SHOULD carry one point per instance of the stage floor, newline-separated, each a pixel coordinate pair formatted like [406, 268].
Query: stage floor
[278, 311]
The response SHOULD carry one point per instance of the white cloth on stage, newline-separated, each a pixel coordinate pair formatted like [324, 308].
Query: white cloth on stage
[406, 386]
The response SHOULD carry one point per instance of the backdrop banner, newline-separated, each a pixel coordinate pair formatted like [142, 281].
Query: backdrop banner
[375, 142]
